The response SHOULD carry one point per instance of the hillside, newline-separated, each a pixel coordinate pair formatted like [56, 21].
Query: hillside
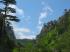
[54, 37]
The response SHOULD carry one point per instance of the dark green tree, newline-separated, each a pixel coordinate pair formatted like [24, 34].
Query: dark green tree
[5, 12]
[5, 19]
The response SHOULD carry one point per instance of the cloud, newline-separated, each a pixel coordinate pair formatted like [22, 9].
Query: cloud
[42, 16]
[22, 33]
[19, 11]
[46, 8]
[24, 36]
[19, 29]
[44, 13]
[24, 30]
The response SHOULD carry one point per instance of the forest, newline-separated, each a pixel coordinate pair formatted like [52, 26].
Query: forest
[54, 36]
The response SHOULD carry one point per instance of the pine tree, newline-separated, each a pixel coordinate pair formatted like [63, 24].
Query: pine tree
[6, 10]
[4, 24]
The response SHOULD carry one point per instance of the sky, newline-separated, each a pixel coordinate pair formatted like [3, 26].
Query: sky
[34, 13]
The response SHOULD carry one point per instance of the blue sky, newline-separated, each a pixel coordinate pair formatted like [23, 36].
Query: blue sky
[34, 13]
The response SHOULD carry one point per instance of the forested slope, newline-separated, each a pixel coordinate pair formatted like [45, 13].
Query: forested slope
[54, 36]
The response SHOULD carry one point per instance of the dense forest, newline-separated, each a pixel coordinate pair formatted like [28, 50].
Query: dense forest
[54, 36]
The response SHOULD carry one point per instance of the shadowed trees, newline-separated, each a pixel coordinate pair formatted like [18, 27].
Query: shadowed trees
[6, 31]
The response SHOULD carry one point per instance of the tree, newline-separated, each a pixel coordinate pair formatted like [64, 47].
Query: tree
[5, 12]
[5, 23]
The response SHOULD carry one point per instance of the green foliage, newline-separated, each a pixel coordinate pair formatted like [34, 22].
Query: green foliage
[54, 37]
[57, 38]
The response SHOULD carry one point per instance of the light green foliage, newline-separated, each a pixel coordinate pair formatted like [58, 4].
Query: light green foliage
[54, 37]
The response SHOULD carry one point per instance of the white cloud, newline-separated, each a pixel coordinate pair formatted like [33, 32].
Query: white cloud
[46, 8]
[21, 33]
[19, 11]
[24, 36]
[43, 15]
[24, 30]
[19, 29]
